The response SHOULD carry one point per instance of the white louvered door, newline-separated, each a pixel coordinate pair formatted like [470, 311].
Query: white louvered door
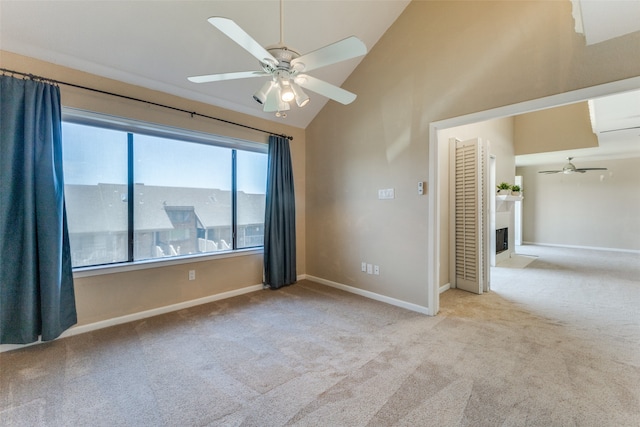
[471, 219]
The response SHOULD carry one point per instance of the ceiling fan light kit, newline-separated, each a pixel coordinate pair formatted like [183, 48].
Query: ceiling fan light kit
[261, 94]
[285, 67]
[302, 98]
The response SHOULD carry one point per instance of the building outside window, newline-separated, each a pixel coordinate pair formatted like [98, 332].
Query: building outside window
[182, 203]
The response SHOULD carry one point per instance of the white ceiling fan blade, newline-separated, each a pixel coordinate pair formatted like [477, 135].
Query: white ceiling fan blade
[590, 169]
[548, 172]
[326, 89]
[351, 47]
[226, 76]
[238, 35]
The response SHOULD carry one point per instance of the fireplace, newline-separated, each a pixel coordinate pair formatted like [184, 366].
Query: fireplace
[502, 240]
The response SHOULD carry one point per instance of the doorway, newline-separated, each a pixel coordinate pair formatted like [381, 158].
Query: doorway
[434, 254]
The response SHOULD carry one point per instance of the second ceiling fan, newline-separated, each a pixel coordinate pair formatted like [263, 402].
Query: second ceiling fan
[286, 68]
[570, 168]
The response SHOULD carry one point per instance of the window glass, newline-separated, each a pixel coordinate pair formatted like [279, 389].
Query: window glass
[183, 192]
[251, 184]
[182, 198]
[95, 174]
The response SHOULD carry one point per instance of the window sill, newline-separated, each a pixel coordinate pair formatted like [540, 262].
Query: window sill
[162, 262]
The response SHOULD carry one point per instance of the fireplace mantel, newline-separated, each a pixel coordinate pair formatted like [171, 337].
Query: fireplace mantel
[509, 198]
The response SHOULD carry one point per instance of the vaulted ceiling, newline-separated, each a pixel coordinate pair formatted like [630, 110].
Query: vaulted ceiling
[158, 44]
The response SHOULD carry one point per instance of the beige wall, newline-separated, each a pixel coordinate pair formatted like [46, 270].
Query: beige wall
[111, 295]
[555, 129]
[598, 209]
[440, 59]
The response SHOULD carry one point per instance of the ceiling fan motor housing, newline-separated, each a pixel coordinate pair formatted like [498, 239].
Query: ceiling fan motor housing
[284, 55]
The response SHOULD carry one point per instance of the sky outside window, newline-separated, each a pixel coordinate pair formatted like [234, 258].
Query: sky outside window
[94, 155]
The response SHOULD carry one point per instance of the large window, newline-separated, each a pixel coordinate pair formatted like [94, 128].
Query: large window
[134, 196]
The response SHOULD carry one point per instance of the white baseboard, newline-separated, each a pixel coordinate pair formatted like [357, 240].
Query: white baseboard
[445, 287]
[369, 294]
[81, 329]
[595, 248]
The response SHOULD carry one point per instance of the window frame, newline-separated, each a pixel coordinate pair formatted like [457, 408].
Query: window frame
[132, 126]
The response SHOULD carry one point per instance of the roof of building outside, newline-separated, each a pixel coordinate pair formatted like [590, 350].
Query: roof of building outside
[103, 208]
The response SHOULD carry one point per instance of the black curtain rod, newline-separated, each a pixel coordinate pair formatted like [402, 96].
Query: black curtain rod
[192, 113]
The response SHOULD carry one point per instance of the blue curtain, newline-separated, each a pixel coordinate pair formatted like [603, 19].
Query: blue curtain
[36, 282]
[280, 217]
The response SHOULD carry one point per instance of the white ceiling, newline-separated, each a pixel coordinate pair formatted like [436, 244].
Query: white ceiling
[158, 44]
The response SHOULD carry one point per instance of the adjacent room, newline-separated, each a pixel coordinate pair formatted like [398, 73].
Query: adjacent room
[287, 213]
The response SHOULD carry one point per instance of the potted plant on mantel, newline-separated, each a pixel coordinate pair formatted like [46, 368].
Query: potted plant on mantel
[515, 190]
[504, 189]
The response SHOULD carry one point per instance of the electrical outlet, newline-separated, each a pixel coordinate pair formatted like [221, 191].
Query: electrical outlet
[369, 269]
[364, 267]
[192, 275]
[376, 270]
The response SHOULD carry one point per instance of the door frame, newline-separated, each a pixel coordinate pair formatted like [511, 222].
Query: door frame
[492, 211]
[433, 217]
[517, 210]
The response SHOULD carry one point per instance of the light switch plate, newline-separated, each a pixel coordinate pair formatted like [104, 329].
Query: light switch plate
[388, 193]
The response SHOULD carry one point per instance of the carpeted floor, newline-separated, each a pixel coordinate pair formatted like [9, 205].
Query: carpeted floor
[554, 344]
[517, 261]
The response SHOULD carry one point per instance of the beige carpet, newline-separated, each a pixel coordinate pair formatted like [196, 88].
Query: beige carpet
[555, 344]
[517, 261]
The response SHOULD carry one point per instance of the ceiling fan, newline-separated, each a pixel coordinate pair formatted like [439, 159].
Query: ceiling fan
[287, 68]
[569, 168]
